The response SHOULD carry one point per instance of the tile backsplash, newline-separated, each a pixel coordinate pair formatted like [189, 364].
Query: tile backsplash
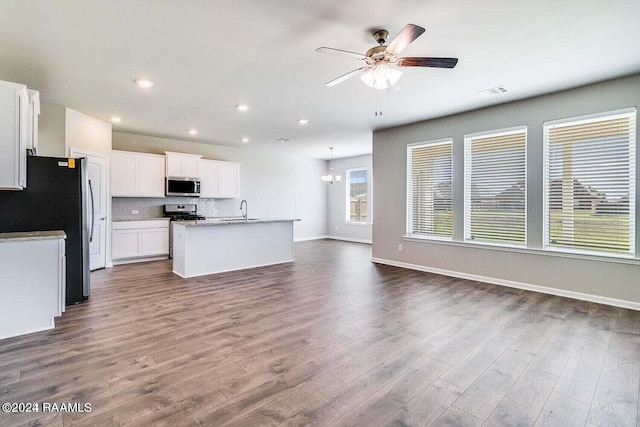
[148, 207]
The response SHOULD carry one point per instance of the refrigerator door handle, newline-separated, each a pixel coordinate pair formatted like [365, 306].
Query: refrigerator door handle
[93, 212]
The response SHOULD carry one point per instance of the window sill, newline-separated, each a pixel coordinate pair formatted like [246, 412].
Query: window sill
[361, 224]
[620, 259]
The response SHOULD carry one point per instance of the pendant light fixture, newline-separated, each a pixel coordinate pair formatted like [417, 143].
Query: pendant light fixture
[331, 178]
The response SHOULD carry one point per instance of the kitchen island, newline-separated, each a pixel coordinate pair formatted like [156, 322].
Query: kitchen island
[214, 246]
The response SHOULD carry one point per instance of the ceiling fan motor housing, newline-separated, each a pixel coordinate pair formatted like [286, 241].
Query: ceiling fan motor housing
[376, 52]
[381, 36]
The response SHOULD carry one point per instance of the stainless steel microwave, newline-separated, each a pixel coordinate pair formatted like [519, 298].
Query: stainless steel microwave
[186, 187]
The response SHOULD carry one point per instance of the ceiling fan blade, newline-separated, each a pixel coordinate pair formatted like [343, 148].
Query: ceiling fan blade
[346, 76]
[408, 34]
[412, 61]
[340, 52]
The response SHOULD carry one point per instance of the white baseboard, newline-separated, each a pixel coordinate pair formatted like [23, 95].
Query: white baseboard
[304, 239]
[344, 239]
[511, 284]
[142, 259]
[348, 239]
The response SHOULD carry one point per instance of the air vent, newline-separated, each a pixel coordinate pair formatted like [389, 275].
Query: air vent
[283, 140]
[498, 90]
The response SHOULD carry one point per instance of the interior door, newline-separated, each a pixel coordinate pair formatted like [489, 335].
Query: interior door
[97, 207]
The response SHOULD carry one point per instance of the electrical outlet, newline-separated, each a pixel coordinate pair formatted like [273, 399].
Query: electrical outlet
[215, 210]
[134, 212]
[400, 247]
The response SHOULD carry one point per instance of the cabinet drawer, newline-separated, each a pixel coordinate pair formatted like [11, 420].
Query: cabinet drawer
[129, 225]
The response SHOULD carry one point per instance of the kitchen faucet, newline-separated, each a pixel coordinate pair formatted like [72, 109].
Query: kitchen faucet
[246, 210]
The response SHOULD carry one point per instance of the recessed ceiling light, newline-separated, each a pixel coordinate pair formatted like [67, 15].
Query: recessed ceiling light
[193, 131]
[245, 139]
[303, 121]
[242, 107]
[144, 83]
[115, 119]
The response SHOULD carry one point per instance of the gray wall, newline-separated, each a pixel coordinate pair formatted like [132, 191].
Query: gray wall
[338, 228]
[275, 184]
[51, 130]
[601, 277]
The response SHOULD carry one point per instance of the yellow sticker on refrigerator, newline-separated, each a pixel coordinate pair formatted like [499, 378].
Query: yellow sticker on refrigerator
[72, 163]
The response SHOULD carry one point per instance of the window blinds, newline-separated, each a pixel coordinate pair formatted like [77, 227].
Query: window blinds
[589, 183]
[495, 187]
[429, 208]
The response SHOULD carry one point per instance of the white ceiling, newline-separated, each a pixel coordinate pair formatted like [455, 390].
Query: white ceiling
[207, 56]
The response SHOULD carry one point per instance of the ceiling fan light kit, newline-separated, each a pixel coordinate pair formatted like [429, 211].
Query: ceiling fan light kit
[381, 77]
[380, 71]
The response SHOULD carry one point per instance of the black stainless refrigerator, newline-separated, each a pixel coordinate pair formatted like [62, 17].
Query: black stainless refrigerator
[57, 197]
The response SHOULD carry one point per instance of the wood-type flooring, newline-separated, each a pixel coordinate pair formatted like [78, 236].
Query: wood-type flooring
[330, 339]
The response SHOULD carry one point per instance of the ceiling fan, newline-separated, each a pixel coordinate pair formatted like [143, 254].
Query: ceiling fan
[380, 71]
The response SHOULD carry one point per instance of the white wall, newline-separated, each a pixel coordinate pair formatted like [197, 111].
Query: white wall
[86, 133]
[51, 130]
[275, 184]
[338, 227]
[610, 281]
[60, 129]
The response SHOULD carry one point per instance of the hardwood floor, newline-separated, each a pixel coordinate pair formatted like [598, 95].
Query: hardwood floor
[330, 339]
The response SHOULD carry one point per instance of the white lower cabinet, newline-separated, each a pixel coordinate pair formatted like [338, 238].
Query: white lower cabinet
[134, 241]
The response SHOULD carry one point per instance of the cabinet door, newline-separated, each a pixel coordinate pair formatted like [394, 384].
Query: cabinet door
[125, 244]
[34, 112]
[190, 167]
[174, 165]
[155, 241]
[149, 176]
[182, 165]
[229, 176]
[25, 132]
[209, 179]
[10, 135]
[123, 168]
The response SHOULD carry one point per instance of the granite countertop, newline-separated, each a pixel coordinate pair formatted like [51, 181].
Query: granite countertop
[232, 221]
[32, 235]
[139, 219]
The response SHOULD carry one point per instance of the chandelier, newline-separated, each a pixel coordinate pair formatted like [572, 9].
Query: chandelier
[331, 178]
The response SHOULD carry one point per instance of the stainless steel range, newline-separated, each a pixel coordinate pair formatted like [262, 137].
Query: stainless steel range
[186, 212]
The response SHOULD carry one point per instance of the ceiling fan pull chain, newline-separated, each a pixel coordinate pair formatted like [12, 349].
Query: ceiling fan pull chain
[378, 109]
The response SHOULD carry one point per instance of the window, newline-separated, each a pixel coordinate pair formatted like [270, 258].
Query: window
[495, 190]
[357, 195]
[589, 183]
[429, 208]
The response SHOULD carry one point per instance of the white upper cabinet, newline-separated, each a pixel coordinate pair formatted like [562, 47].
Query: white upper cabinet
[219, 180]
[150, 175]
[32, 120]
[137, 174]
[14, 135]
[181, 165]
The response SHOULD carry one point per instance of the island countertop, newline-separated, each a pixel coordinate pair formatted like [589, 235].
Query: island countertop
[32, 235]
[233, 221]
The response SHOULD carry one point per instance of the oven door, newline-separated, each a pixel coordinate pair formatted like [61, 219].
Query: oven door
[186, 187]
